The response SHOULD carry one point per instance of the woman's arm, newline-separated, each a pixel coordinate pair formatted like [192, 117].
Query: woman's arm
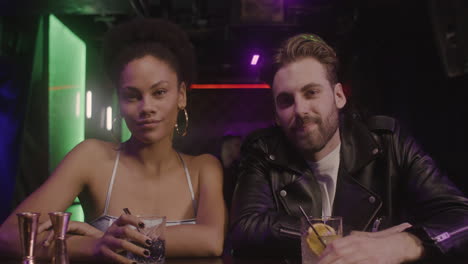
[206, 237]
[56, 194]
[86, 243]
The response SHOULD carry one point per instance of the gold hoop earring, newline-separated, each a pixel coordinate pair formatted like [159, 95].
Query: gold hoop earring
[183, 133]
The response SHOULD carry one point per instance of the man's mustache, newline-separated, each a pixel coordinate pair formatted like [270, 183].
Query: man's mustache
[302, 121]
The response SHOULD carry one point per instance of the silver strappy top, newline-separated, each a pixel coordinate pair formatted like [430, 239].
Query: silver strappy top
[104, 221]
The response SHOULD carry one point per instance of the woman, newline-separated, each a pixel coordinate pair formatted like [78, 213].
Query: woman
[151, 63]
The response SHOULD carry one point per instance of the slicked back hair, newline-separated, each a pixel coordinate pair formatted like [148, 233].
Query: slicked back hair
[308, 45]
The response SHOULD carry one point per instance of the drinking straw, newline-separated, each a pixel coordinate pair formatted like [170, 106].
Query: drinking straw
[126, 211]
[310, 224]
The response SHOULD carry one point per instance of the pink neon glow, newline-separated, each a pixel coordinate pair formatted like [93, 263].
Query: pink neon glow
[255, 59]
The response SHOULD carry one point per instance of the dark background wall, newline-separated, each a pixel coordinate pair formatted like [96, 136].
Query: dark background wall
[214, 113]
[397, 68]
[407, 59]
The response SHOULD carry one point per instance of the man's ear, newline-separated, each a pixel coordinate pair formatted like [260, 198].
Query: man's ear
[340, 97]
[182, 100]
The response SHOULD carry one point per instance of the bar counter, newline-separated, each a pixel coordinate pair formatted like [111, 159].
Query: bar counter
[219, 260]
[225, 260]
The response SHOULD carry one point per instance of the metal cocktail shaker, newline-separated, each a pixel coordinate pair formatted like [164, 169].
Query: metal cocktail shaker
[60, 222]
[28, 223]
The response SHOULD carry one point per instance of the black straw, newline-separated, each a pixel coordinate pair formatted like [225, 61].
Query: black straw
[310, 224]
[127, 211]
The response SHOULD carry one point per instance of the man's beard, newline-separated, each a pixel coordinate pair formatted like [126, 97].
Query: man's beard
[313, 141]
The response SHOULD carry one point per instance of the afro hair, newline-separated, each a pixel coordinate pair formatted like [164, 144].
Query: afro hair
[149, 36]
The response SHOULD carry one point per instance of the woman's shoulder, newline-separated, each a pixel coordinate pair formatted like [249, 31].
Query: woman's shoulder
[95, 149]
[202, 161]
[81, 162]
[202, 158]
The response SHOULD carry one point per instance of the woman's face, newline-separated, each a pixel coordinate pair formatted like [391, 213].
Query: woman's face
[150, 98]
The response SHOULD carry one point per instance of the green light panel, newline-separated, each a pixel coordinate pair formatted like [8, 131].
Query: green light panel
[67, 70]
[126, 134]
[76, 210]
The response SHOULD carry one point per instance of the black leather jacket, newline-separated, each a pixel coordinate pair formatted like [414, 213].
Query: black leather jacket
[384, 179]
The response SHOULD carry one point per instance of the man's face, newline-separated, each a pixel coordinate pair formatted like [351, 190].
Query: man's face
[307, 106]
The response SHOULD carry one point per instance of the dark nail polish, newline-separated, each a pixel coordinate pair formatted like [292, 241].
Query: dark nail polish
[149, 242]
[141, 225]
[134, 262]
[146, 252]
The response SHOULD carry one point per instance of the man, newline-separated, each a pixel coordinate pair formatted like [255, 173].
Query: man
[331, 162]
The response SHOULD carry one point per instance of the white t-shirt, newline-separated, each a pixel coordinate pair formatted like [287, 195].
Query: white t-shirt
[326, 172]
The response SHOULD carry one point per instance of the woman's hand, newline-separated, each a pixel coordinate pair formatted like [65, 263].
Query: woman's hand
[117, 239]
[74, 228]
[385, 247]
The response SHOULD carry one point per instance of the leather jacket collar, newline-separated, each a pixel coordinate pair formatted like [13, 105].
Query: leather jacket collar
[358, 148]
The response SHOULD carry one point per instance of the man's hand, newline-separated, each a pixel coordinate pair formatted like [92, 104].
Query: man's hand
[385, 247]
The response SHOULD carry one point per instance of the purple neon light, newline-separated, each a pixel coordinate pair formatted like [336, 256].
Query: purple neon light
[255, 59]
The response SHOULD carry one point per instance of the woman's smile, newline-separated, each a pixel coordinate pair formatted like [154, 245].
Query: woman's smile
[148, 123]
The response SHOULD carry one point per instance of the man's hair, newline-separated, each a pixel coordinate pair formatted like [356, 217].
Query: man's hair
[159, 38]
[308, 45]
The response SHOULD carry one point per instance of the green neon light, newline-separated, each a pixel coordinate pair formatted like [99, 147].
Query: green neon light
[76, 210]
[67, 70]
[126, 134]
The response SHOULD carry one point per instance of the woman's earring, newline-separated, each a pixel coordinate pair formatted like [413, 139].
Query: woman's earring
[184, 132]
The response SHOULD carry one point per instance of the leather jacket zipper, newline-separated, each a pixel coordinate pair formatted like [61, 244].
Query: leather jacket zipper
[290, 232]
[446, 235]
[377, 222]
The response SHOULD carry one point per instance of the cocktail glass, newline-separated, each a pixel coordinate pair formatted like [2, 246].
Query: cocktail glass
[155, 227]
[315, 238]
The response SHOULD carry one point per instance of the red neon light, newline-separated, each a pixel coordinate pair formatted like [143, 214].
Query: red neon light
[230, 86]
